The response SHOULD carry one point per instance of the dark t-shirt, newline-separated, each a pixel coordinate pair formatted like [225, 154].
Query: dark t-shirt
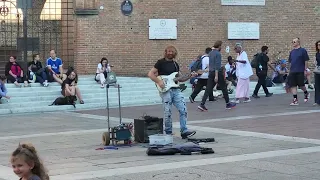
[166, 67]
[318, 58]
[263, 63]
[297, 58]
[66, 81]
[34, 177]
[35, 66]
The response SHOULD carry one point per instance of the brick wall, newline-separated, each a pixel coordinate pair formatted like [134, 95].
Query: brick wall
[124, 40]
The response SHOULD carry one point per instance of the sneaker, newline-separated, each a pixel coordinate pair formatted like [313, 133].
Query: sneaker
[255, 96]
[187, 134]
[269, 94]
[294, 102]
[191, 100]
[201, 107]
[236, 101]
[230, 91]
[306, 97]
[230, 105]
[310, 86]
[45, 84]
[247, 100]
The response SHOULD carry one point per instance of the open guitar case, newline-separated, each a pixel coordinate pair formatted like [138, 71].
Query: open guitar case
[184, 149]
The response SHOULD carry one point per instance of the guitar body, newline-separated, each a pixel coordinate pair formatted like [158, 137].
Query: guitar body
[169, 82]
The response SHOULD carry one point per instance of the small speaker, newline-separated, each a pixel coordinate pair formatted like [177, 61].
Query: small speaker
[147, 126]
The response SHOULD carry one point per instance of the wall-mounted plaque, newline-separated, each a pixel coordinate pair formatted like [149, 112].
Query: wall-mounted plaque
[243, 30]
[126, 7]
[162, 28]
[243, 2]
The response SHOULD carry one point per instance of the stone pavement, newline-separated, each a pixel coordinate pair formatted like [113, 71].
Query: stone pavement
[262, 140]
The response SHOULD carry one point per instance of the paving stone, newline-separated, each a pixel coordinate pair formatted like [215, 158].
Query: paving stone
[271, 166]
[229, 168]
[75, 153]
[269, 175]
[179, 174]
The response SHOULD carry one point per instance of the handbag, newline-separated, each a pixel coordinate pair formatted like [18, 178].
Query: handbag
[111, 78]
[316, 70]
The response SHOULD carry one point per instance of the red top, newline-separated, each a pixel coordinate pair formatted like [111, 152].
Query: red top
[15, 69]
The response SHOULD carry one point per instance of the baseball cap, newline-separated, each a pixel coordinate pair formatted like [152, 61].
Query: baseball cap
[283, 61]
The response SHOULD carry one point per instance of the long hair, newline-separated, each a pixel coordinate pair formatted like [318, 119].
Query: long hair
[29, 154]
[70, 70]
[317, 47]
[102, 59]
[171, 48]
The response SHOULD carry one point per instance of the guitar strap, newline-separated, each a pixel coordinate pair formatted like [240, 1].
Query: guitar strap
[175, 65]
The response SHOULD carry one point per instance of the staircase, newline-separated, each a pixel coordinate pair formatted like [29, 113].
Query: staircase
[135, 91]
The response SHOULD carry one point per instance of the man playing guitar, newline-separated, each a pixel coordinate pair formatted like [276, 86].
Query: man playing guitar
[166, 66]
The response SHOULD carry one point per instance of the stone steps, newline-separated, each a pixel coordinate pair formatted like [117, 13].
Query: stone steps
[135, 91]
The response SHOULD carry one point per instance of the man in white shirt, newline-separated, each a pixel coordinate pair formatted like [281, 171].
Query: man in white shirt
[202, 80]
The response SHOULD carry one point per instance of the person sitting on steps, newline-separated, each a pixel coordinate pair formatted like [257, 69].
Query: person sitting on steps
[231, 76]
[102, 71]
[55, 68]
[69, 86]
[3, 89]
[37, 72]
[14, 73]
[281, 73]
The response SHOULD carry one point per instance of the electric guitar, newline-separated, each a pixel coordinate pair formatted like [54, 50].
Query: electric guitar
[172, 81]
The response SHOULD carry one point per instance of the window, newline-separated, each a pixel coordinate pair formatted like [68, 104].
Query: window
[9, 12]
[51, 10]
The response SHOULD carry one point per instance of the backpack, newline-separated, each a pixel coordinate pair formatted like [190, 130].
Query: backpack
[255, 61]
[197, 65]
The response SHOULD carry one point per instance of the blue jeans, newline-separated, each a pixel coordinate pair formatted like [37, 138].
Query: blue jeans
[175, 97]
[42, 77]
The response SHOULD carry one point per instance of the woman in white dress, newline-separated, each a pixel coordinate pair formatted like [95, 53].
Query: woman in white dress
[243, 72]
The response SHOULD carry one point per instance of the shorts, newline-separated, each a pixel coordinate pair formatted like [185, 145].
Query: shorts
[296, 79]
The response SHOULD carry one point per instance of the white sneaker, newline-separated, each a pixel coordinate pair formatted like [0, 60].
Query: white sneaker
[236, 101]
[246, 101]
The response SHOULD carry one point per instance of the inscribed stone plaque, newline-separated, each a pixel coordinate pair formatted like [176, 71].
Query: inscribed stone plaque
[162, 28]
[243, 30]
[243, 2]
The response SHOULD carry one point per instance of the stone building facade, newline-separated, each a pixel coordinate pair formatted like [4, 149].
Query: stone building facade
[124, 39]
